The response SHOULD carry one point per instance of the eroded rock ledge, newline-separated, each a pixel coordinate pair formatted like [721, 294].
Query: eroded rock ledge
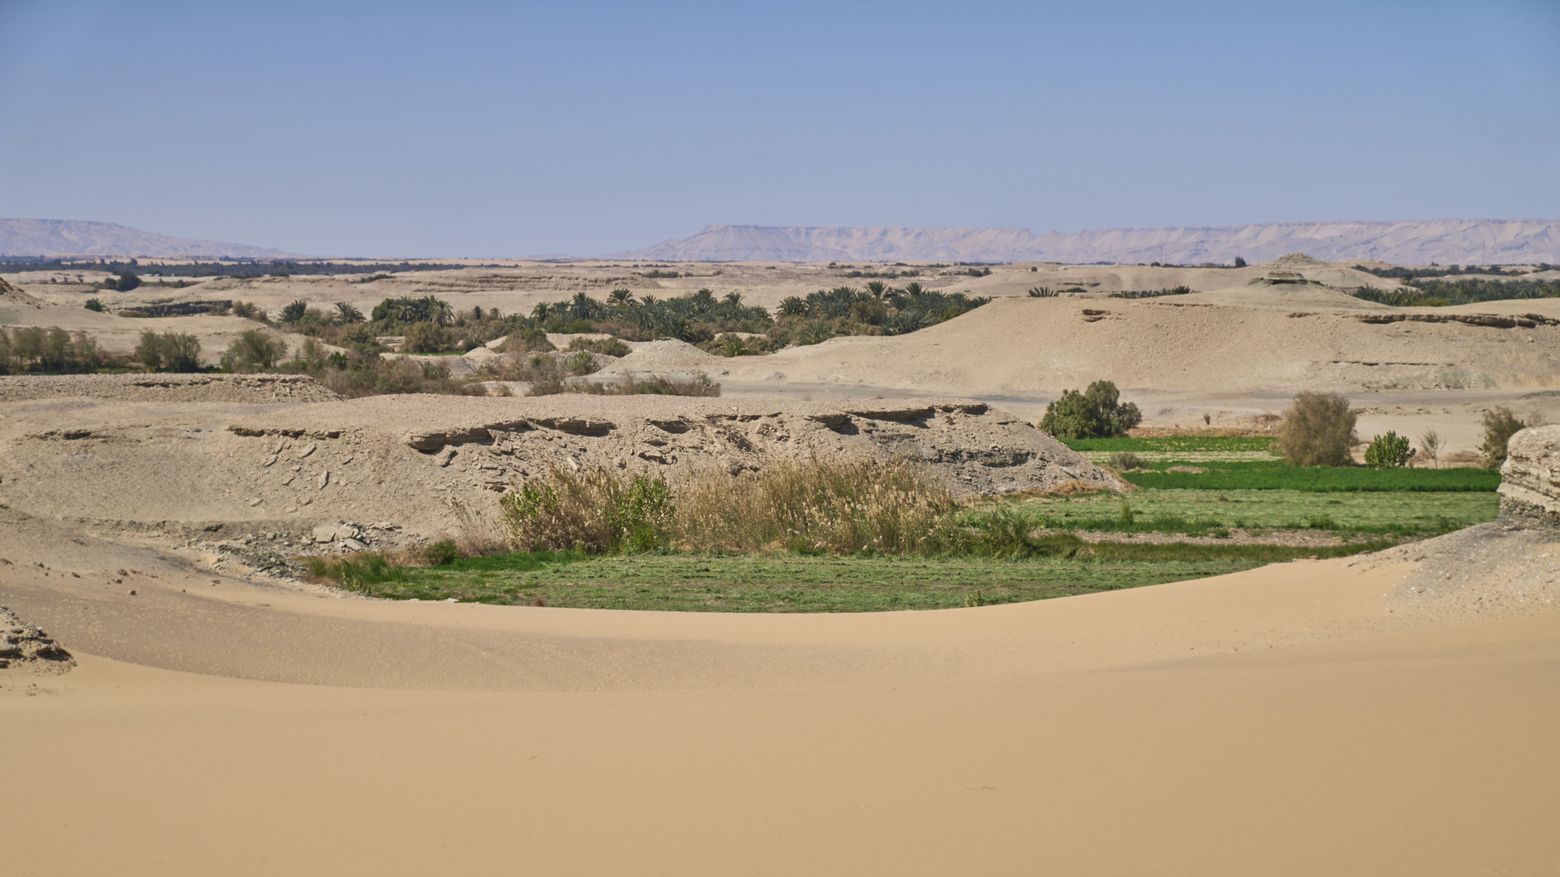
[1530, 478]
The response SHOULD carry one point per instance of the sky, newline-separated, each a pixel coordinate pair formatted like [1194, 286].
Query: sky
[512, 129]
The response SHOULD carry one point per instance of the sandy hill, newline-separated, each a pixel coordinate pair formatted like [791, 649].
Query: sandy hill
[70, 237]
[1031, 346]
[1460, 241]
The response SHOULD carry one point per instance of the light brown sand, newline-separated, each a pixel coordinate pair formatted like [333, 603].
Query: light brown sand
[1281, 721]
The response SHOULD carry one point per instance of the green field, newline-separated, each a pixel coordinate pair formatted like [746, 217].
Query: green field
[1216, 516]
[1204, 511]
[803, 583]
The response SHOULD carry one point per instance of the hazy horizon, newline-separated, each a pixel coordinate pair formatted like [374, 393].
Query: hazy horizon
[393, 129]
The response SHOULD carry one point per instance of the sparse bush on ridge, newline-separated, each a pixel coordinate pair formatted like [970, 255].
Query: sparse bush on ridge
[1318, 430]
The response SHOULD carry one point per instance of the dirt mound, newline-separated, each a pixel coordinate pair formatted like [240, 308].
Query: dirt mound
[664, 357]
[27, 647]
[405, 466]
[166, 388]
[1049, 344]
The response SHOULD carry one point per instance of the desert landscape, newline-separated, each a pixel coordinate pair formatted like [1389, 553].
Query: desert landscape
[191, 621]
[779, 439]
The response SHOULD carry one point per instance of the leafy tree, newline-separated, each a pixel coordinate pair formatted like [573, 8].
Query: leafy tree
[125, 282]
[1389, 451]
[1097, 412]
[253, 351]
[1318, 430]
[1499, 426]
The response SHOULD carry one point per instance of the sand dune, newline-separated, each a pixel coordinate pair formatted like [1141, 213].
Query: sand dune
[1281, 721]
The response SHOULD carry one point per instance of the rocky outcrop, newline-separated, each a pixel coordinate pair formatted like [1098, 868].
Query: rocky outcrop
[27, 647]
[1530, 478]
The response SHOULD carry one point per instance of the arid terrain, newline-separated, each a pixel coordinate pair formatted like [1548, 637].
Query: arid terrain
[221, 710]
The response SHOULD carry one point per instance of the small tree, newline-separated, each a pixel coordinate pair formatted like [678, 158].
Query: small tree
[1430, 446]
[1097, 412]
[253, 351]
[295, 310]
[347, 313]
[1389, 451]
[1499, 426]
[1318, 430]
[1239, 262]
[125, 282]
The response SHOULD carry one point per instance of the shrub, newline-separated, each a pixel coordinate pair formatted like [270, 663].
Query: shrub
[94, 304]
[1499, 426]
[1430, 446]
[125, 282]
[603, 346]
[696, 384]
[253, 351]
[441, 553]
[1389, 451]
[1318, 430]
[818, 506]
[1097, 412]
[294, 311]
[168, 352]
[599, 511]
[1125, 461]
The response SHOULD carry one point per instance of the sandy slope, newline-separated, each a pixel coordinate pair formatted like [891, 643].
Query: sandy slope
[1281, 721]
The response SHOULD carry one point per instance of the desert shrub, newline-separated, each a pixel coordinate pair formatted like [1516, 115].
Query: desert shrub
[1041, 292]
[1097, 412]
[253, 351]
[441, 553]
[426, 338]
[1317, 430]
[294, 311]
[597, 510]
[1499, 426]
[1430, 446]
[1126, 461]
[125, 282]
[248, 311]
[696, 384]
[603, 346]
[168, 352]
[816, 506]
[94, 304]
[1389, 451]
[527, 340]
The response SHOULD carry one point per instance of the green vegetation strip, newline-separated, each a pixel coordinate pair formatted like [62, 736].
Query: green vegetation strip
[802, 583]
[1277, 475]
[1171, 444]
[1197, 512]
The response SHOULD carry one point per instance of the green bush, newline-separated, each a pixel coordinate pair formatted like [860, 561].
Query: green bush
[1499, 426]
[168, 352]
[1318, 430]
[94, 304]
[1097, 412]
[1125, 461]
[598, 511]
[253, 351]
[1389, 451]
[441, 553]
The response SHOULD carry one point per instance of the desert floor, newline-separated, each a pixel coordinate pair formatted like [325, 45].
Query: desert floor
[1318, 717]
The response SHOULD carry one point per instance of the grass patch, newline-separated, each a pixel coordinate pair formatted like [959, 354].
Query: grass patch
[810, 583]
[1278, 475]
[1195, 512]
[1173, 444]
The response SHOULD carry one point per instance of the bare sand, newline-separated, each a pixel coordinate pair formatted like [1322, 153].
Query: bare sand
[1289, 720]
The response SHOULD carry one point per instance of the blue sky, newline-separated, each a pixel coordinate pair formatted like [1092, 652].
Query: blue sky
[476, 129]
